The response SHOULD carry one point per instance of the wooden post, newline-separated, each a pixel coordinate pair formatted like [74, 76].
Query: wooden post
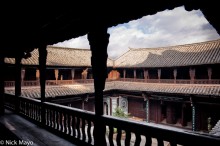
[159, 74]
[83, 104]
[84, 99]
[84, 73]
[56, 72]
[73, 73]
[135, 75]
[146, 75]
[194, 114]
[42, 64]
[124, 74]
[37, 76]
[192, 75]
[210, 74]
[171, 119]
[2, 86]
[146, 98]
[17, 82]
[98, 40]
[183, 120]
[22, 76]
[175, 75]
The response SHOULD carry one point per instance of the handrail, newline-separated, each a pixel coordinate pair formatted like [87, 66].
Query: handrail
[177, 81]
[78, 125]
[172, 135]
[81, 81]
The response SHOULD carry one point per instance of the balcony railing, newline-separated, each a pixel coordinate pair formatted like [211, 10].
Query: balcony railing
[81, 81]
[178, 81]
[78, 126]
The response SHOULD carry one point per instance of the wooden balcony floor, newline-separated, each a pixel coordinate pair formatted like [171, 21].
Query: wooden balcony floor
[27, 131]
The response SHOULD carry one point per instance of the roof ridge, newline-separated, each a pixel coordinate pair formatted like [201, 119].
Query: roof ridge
[172, 46]
[57, 47]
[123, 54]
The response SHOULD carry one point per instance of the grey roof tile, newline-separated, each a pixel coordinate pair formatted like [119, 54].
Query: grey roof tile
[52, 91]
[58, 56]
[181, 55]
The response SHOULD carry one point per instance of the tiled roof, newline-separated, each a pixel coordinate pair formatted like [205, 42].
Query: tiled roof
[216, 129]
[58, 56]
[52, 91]
[181, 55]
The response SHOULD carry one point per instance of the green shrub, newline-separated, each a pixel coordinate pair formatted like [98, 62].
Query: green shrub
[120, 113]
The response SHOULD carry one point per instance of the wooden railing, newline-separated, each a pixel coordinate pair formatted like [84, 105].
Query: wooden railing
[9, 83]
[145, 132]
[30, 108]
[49, 82]
[71, 122]
[78, 126]
[81, 81]
[178, 81]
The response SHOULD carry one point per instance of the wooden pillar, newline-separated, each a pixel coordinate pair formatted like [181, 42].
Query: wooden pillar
[183, 120]
[17, 82]
[42, 64]
[193, 118]
[194, 115]
[209, 74]
[146, 75]
[2, 86]
[83, 105]
[84, 73]
[84, 99]
[124, 74]
[135, 75]
[22, 76]
[146, 98]
[192, 75]
[158, 116]
[175, 75]
[171, 119]
[98, 40]
[159, 74]
[73, 73]
[37, 74]
[56, 72]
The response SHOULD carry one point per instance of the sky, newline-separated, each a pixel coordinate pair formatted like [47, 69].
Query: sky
[166, 28]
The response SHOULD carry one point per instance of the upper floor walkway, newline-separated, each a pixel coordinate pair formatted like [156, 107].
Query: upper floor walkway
[78, 126]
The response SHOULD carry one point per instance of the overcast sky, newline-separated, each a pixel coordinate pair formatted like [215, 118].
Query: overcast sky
[167, 28]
